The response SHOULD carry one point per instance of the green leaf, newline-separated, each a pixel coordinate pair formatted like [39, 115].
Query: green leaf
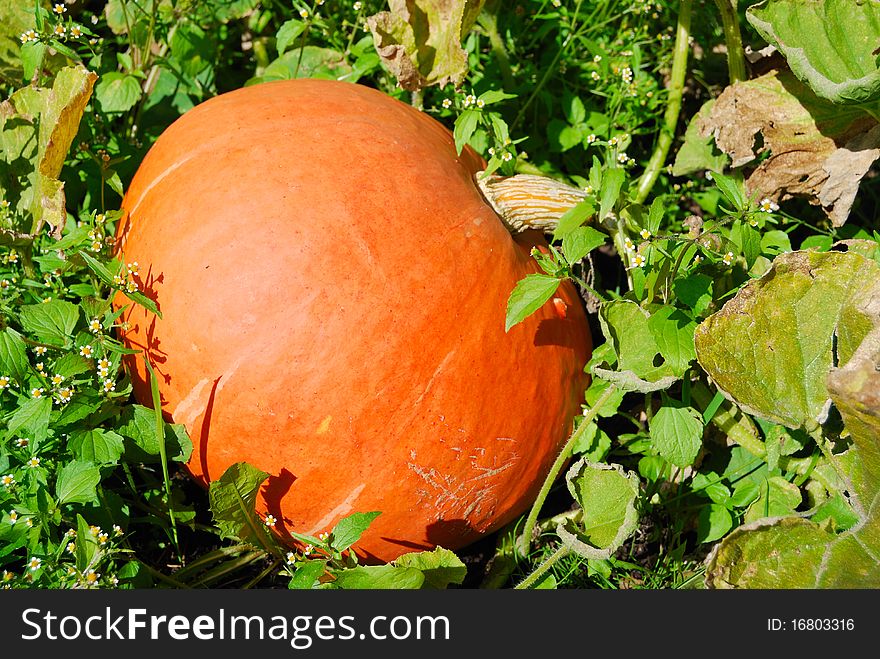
[307, 62]
[420, 40]
[52, 322]
[528, 296]
[287, 34]
[673, 332]
[607, 495]
[118, 92]
[465, 125]
[97, 446]
[573, 218]
[70, 364]
[86, 544]
[713, 523]
[31, 419]
[306, 574]
[677, 434]
[627, 327]
[380, 577]
[495, 96]
[792, 552]
[233, 499]
[580, 242]
[771, 347]
[695, 291]
[732, 189]
[13, 355]
[745, 492]
[349, 529]
[778, 498]
[77, 482]
[138, 424]
[698, 152]
[748, 240]
[440, 567]
[829, 44]
[609, 191]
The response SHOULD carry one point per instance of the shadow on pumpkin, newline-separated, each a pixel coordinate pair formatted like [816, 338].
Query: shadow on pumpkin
[557, 332]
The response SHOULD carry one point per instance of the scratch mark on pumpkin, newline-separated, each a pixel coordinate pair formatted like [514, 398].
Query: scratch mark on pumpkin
[341, 509]
[193, 404]
[456, 496]
[158, 179]
[443, 364]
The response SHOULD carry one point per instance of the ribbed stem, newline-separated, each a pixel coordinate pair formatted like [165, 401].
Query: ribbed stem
[736, 61]
[527, 201]
[673, 103]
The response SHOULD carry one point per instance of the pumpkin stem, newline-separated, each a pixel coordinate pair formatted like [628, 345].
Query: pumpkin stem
[527, 201]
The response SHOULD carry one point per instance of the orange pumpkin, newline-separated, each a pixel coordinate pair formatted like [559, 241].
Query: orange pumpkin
[333, 289]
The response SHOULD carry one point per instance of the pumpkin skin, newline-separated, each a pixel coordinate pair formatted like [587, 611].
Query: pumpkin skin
[333, 290]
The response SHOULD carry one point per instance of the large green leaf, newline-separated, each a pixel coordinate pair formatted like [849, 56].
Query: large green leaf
[420, 40]
[51, 116]
[233, 499]
[607, 496]
[829, 44]
[831, 323]
[771, 347]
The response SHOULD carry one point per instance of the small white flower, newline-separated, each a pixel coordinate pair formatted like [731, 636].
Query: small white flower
[308, 550]
[7, 480]
[270, 521]
[95, 19]
[481, 103]
[303, 13]
[33, 462]
[507, 156]
[86, 351]
[37, 392]
[627, 74]
[117, 530]
[60, 30]
[357, 5]
[59, 8]
[76, 31]
[768, 205]
[447, 103]
[34, 564]
[94, 326]
[103, 538]
[22, 442]
[628, 245]
[109, 385]
[291, 557]
[728, 258]
[591, 138]
[40, 350]
[645, 234]
[595, 75]
[639, 261]
[622, 157]
[71, 547]
[4, 382]
[597, 58]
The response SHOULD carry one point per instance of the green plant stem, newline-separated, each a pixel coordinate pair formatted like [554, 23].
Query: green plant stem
[736, 60]
[163, 457]
[673, 103]
[488, 20]
[526, 538]
[542, 569]
[738, 427]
